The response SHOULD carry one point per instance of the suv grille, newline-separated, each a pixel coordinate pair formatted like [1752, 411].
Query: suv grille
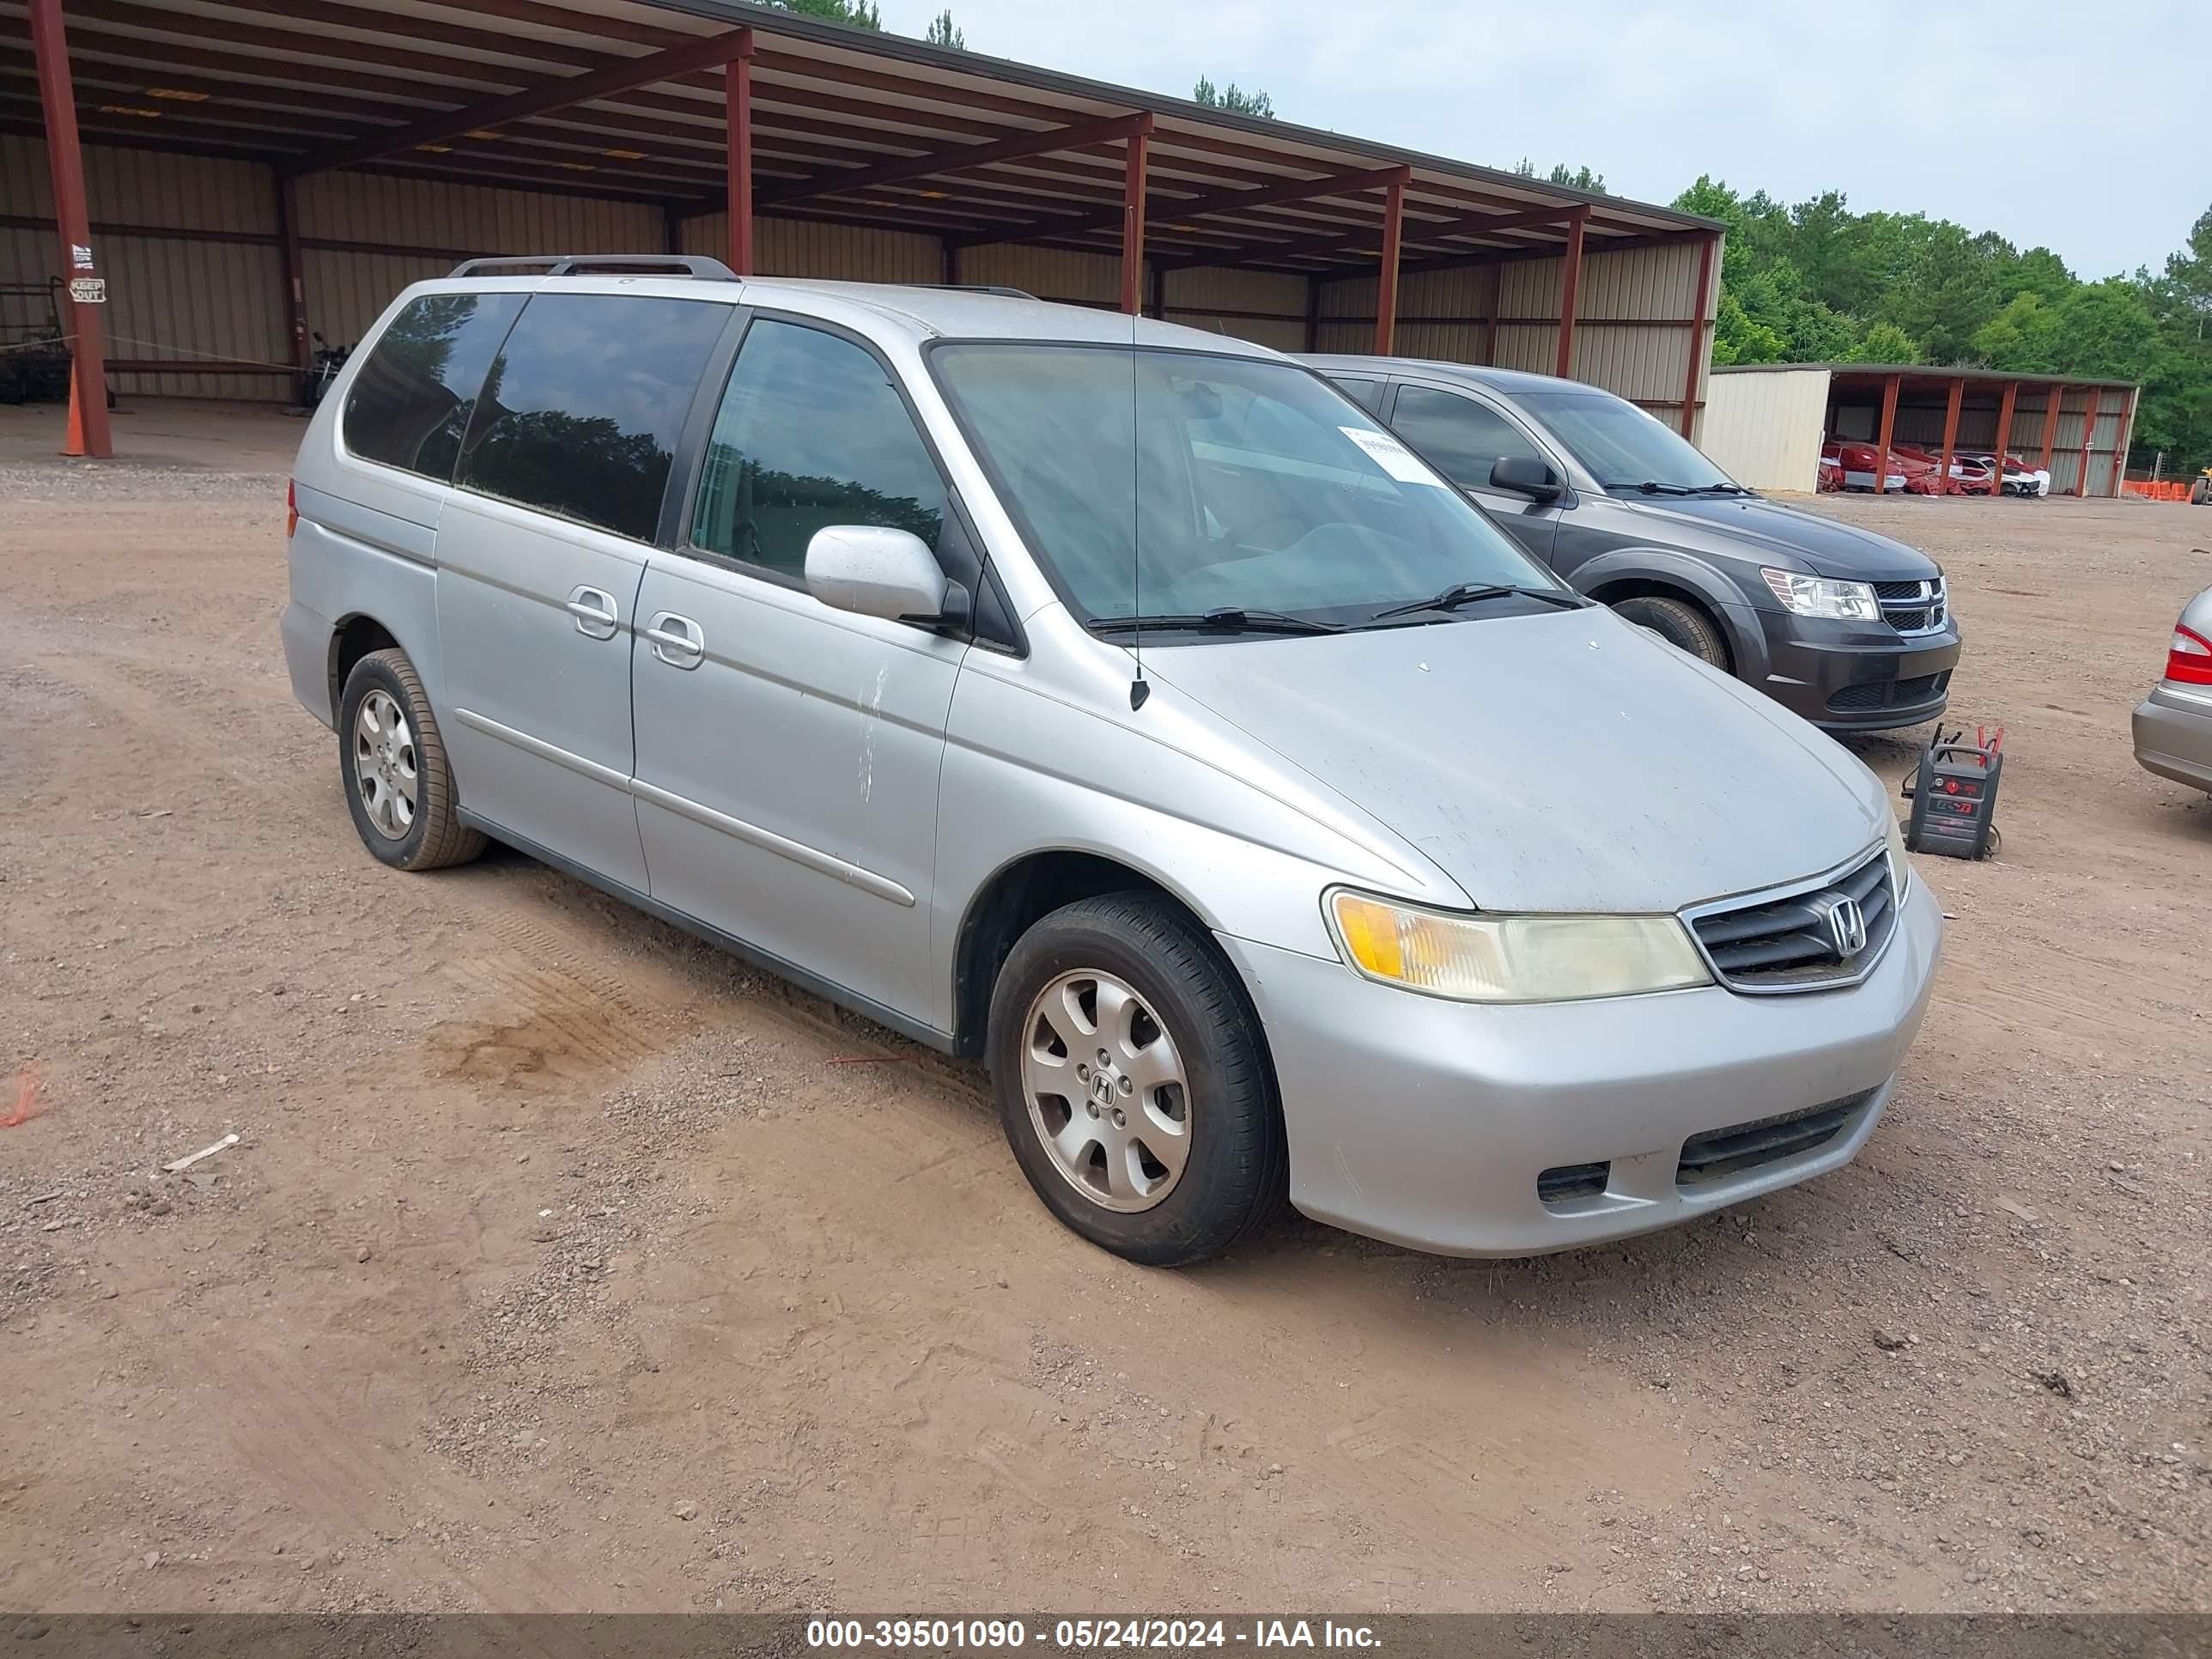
[1721, 1152]
[1912, 607]
[1869, 694]
[1791, 943]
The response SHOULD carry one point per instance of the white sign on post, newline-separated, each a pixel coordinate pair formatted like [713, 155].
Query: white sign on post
[88, 291]
[79, 256]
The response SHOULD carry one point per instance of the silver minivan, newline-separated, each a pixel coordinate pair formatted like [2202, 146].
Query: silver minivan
[1121, 705]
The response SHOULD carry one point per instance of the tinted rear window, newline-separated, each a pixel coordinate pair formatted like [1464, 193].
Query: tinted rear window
[583, 406]
[411, 401]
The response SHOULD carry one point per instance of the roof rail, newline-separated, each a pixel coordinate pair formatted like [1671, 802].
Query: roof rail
[584, 264]
[987, 287]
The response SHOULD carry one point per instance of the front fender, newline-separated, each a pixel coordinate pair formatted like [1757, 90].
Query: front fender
[1737, 616]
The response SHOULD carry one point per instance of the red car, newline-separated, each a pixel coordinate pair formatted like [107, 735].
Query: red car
[1853, 462]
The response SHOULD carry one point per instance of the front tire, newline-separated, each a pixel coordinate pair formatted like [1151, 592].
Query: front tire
[1681, 624]
[1132, 1081]
[392, 764]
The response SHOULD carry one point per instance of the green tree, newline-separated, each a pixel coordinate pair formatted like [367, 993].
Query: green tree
[1573, 178]
[1883, 343]
[1233, 98]
[944, 32]
[861, 14]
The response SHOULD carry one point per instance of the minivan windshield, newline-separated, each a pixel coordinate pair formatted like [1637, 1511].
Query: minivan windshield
[1624, 448]
[1175, 484]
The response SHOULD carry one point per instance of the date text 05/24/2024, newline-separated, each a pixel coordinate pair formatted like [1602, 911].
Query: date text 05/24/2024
[987, 1636]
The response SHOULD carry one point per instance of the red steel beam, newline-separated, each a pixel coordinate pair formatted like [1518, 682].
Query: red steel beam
[1385, 289]
[1571, 278]
[1951, 429]
[2053, 396]
[1355, 238]
[1110, 129]
[89, 433]
[2004, 436]
[1221, 201]
[709, 52]
[1889, 389]
[1138, 147]
[2093, 410]
[1697, 335]
[738, 133]
[295, 284]
[2120, 444]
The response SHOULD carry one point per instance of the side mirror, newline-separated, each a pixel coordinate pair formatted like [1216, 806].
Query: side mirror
[1524, 475]
[873, 570]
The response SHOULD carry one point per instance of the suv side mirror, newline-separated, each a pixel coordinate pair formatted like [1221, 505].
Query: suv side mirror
[1524, 475]
[874, 570]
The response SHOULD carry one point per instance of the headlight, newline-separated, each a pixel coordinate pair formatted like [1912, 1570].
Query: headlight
[1819, 595]
[1477, 958]
[1901, 866]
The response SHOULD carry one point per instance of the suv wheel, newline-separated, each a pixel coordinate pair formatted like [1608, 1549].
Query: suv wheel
[1681, 624]
[1132, 1083]
[392, 764]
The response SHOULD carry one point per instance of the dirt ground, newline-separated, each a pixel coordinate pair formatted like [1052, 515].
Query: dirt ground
[563, 1263]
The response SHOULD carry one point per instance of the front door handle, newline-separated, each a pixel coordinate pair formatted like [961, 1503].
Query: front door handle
[593, 608]
[677, 640]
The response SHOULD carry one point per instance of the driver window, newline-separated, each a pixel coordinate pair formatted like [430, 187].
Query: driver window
[1464, 438]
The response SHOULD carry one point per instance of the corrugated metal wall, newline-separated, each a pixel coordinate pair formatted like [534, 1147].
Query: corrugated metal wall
[1266, 306]
[1764, 428]
[1920, 418]
[791, 247]
[1632, 310]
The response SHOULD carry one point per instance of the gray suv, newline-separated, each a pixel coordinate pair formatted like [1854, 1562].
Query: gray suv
[1850, 629]
[1121, 706]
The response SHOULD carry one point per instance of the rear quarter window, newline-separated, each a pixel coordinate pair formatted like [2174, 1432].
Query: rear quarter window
[582, 407]
[410, 403]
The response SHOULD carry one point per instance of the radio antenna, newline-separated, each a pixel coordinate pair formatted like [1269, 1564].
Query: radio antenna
[1139, 689]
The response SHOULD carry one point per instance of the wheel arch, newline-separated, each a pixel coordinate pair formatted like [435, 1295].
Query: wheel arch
[352, 638]
[1016, 895]
[1651, 573]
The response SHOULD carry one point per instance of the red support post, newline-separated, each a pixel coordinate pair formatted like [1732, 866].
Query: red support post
[2004, 436]
[737, 125]
[1951, 429]
[1490, 323]
[89, 433]
[295, 281]
[1570, 279]
[2127, 431]
[1889, 389]
[2053, 395]
[1136, 151]
[1698, 322]
[1386, 275]
[2092, 412]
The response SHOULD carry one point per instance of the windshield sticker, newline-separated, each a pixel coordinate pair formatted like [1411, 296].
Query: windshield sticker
[1392, 456]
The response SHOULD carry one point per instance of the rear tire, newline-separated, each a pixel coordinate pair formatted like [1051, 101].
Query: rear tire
[1681, 624]
[393, 766]
[2198, 488]
[1200, 1162]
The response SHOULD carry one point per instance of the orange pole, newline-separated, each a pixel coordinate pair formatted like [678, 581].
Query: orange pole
[1136, 152]
[2127, 431]
[1889, 388]
[2004, 436]
[1386, 277]
[737, 125]
[2053, 395]
[1697, 335]
[1951, 429]
[1571, 278]
[89, 433]
[2092, 412]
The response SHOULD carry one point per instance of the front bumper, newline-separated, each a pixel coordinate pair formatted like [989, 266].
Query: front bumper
[1856, 677]
[1426, 1122]
[2173, 736]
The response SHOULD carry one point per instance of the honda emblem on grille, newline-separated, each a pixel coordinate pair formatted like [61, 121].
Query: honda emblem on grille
[1846, 924]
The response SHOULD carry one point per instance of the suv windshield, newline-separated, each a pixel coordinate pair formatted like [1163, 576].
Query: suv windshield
[1189, 484]
[1624, 448]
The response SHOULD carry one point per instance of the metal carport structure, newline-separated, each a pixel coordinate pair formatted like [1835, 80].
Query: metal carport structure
[1766, 421]
[255, 162]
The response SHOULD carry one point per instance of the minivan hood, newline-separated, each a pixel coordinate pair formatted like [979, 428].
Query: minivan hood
[1562, 762]
[1825, 547]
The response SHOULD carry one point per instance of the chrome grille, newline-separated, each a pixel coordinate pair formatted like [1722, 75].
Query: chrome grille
[1912, 607]
[1784, 940]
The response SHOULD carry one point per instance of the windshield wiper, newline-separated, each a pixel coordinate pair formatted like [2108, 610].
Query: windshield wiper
[1462, 593]
[1653, 487]
[1722, 489]
[1223, 619]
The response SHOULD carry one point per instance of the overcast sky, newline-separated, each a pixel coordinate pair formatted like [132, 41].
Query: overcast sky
[2086, 129]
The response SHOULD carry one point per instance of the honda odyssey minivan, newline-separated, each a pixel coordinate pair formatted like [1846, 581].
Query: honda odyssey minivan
[1123, 706]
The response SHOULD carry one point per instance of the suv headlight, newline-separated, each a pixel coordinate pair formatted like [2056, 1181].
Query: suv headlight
[1482, 958]
[1822, 596]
